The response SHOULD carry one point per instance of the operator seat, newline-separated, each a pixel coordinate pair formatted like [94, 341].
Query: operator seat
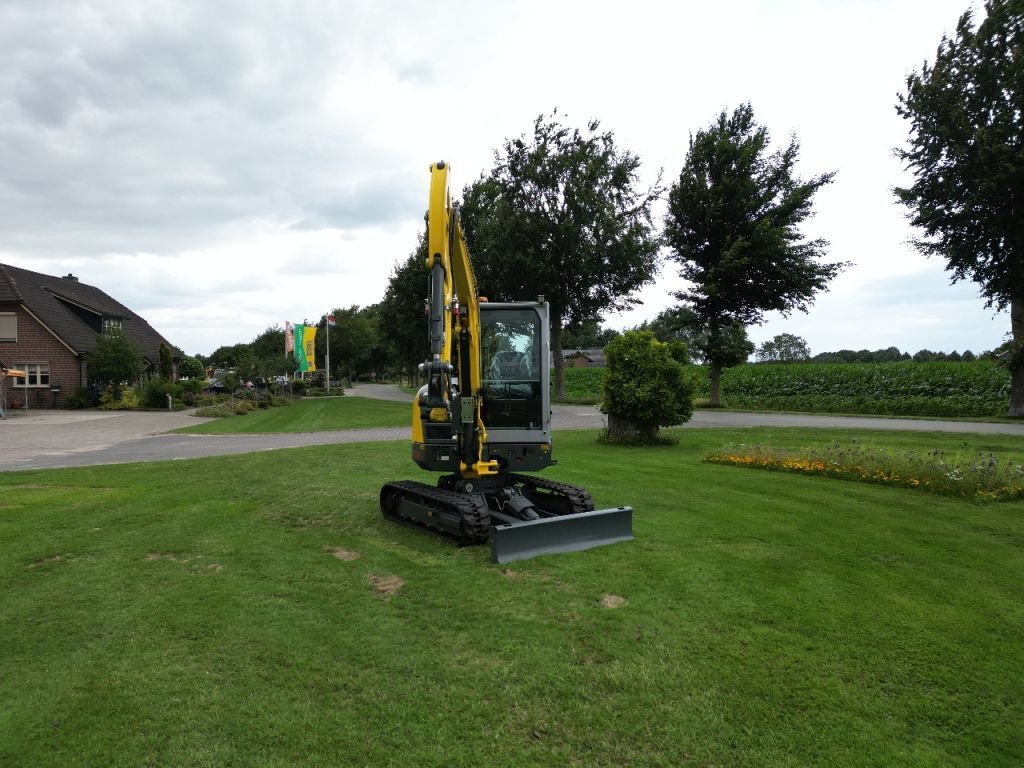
[511, 366]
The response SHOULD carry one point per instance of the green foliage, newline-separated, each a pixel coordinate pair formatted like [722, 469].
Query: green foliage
[784, 348]
[588, 335]
[402, 325]
[119, 398]
[166, 362]
[114, 359]
[898, 389]
[966, 151]
[355, 341]
[967, 154]
[733, 226]
[191, 368]
[155, 392]
[644, 385]
[82, 397]
[562, 215]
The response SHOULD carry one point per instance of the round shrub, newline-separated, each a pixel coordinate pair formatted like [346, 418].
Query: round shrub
[645, 388]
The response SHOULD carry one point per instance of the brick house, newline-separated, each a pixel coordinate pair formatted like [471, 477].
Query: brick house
[48, 326]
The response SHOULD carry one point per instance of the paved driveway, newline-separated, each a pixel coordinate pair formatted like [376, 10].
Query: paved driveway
[47, 439]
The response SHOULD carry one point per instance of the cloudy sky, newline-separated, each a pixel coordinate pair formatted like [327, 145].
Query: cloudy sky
[221, 167]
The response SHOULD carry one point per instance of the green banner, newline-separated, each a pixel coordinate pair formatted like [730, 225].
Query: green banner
[305, 347]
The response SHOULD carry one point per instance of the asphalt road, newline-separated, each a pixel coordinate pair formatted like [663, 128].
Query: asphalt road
[49, 439]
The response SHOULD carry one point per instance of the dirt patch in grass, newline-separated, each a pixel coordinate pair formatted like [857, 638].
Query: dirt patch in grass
[611, 601]
[344, 554]
[45, 561]
[386, 585]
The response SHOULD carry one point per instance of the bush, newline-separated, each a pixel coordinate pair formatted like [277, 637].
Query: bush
[118, 398]
[242, 407]
[191, 391]
[155, 392]
[82, 397]
[645, 388]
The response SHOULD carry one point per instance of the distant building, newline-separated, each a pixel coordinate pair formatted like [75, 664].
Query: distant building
[584, 358]
[48, 326]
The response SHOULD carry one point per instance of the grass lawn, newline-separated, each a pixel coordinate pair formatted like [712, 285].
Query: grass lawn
[210, 613]
[313, 415]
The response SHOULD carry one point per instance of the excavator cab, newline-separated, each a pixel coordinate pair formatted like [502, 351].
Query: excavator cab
[516, 408]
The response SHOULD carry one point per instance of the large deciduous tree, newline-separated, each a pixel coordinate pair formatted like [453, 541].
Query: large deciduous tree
[733, 225]
[403, 322]
[784, 348]
[966, 151]
[562, 214]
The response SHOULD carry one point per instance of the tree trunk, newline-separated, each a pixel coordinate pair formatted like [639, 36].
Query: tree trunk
[715, 400]
[1017, 357]
[556, 353]
[621, 429]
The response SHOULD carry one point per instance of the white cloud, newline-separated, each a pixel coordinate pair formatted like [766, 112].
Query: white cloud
[222, 167]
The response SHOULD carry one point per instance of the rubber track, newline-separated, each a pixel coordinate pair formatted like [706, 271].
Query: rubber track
[476, 522]
[579, 498]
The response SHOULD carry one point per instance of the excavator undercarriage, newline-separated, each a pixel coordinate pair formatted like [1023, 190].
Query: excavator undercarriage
[521, 515]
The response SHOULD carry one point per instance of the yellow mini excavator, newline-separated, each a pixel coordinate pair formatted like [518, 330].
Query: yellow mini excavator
[484, 417]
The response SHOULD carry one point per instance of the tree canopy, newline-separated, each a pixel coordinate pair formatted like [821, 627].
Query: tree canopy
[402, 322]
[966, 152]
[562, 215]
[114, 359]
[784, 348]
[733, 226]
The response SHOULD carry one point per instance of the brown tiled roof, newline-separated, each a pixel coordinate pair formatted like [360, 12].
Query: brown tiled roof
[52, 300]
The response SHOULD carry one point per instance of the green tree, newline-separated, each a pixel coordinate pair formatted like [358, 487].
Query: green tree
[114, 360]
[353, 342]
[268, 355]
[166, 362]
[784, 348]
[402, 321]
[966, 151]
[562, 215]
[733, 227]
[191, 368]
[645, 388]
[590, 335]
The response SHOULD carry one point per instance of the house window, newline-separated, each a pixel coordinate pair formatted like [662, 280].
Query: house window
[8, 326]
[37, 375]
[110, 323]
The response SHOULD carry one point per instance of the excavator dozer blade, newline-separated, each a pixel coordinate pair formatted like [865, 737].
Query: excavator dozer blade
[566, 533]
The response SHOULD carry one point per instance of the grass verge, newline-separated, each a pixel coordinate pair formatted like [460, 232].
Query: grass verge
[312, 415]
[257, 610]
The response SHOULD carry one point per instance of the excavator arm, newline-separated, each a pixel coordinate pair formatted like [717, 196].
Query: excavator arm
[454, 391]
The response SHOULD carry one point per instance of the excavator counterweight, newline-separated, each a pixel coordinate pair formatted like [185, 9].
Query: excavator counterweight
[484, 417]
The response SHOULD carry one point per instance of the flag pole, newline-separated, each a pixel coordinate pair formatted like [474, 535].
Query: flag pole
[327, 328]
